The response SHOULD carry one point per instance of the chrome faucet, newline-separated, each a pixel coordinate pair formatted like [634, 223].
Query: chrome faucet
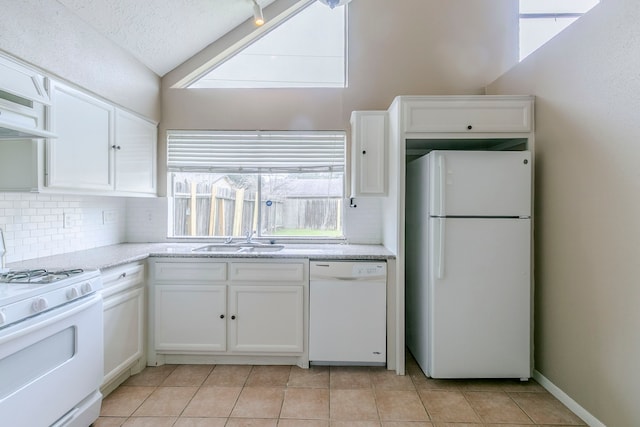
[2, 249]
[249, 235]
[228, 240]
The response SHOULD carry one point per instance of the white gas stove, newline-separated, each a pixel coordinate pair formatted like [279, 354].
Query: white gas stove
[51, 333]
[26, 293]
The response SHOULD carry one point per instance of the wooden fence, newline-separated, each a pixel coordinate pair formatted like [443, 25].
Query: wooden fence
[205, 209]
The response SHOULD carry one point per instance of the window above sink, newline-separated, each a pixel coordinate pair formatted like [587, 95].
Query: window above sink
[272, 185]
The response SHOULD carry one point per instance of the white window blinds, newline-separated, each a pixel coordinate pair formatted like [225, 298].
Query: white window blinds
[255, 151]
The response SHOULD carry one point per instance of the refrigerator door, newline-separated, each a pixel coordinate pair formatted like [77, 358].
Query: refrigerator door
[479, 298]
[480, 183]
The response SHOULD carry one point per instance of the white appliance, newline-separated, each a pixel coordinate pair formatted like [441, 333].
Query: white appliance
[468, 264]
[51, 348]
[347, 313]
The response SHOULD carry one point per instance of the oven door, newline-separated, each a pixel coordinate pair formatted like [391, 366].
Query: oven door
[51, 366]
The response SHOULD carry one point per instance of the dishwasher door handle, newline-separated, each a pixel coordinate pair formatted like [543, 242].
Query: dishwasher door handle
[348, 279]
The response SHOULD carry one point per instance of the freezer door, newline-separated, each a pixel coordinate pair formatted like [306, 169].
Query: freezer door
[480, 183]
[479, 298]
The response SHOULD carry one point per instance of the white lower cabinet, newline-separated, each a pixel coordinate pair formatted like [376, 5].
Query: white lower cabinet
[240, 311]
[124, 323]
[190, 318]
[268, 319]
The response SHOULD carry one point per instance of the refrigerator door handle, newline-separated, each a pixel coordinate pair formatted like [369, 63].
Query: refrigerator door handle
[441, 186]
[441, 226]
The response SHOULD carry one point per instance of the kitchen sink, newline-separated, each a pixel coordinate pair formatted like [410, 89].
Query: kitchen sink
[261, 248]
[222, 247]
[239, 247]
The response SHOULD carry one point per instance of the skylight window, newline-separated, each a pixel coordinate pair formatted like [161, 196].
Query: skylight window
[541, 20]
[308, 50]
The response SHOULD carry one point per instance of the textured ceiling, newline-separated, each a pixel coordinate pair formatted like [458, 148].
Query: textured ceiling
[162, 34]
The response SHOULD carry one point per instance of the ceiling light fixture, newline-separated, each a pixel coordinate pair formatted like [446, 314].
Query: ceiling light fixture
[334, 3]
[258, 18]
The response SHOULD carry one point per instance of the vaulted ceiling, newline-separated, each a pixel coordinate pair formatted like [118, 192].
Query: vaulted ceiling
[162, 34]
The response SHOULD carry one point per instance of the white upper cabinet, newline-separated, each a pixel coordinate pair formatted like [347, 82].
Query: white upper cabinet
[368, 153]
[100, 148]
[135, 153]
[467, 114]
[81, 157]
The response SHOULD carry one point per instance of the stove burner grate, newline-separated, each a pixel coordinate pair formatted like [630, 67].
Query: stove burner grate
[37, 275]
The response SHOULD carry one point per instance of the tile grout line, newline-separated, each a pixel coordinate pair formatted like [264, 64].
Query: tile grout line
[421, 401]
[521, 408]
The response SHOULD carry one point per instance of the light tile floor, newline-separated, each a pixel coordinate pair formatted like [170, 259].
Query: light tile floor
[285, 396]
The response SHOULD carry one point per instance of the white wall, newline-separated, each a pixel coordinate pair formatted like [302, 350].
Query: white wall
[412, 47]
[587, 85]
[45, 34]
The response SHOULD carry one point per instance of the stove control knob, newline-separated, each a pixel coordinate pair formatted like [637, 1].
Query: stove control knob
[86, 288]
[39, 304]
[72, 294]
[3, 317]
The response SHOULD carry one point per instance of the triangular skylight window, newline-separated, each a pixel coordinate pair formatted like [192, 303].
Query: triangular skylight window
[541, 20]
[307, 50]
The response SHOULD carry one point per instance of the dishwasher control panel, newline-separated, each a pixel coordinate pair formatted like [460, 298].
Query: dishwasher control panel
[368, 269]
[348, 270]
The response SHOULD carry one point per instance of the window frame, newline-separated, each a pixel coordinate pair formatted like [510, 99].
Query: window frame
[531, 16]
[333, 157]
[192, 81]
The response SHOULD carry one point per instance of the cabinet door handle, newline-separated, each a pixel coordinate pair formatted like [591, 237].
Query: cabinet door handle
[222, 316]
[364, 151]
[233, 317]
[116, 147]
[469, 127]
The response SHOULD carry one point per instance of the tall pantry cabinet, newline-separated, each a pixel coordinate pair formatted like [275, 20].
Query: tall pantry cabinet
[414, 126]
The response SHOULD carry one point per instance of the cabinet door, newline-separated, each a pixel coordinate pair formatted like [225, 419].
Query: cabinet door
[135, 154]
[123, 331]
[81, 157]
[467, 114]
[266, 319]
[190, 318]
[368, 154]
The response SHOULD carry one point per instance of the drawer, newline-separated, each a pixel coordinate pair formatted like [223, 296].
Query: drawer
[117, 279]
[467, 115]
[267, 272]
[189, 272]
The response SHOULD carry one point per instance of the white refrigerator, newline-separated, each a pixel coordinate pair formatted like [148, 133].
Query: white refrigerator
[468, 263]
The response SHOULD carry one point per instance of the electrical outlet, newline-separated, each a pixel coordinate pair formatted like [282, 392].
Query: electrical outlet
[68, 220]
[109, 217]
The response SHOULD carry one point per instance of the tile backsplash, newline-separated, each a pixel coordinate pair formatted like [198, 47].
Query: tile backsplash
[38, 225]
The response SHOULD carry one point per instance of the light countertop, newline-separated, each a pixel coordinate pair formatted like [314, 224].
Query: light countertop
[114, 255]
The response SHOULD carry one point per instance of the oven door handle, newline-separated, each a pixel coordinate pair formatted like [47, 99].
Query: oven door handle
[50, 318]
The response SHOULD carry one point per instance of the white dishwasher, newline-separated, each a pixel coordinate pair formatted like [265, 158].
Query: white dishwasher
[347, 312]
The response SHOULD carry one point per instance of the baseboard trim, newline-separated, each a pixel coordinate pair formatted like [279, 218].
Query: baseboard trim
[567, 401]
